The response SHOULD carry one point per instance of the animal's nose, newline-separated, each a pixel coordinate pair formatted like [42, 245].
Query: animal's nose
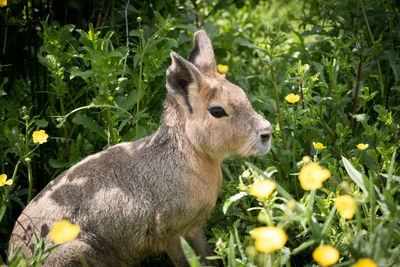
[265, 136]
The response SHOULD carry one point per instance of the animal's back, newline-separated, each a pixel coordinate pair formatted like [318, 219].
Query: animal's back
[117, 196]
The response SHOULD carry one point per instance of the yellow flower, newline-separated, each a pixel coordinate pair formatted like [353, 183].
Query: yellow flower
[292, 98]
[269, 238]
[64, 231]
[318, 145]
[326, 255]
[312, 176]
[365, 262]
[3, 3]
[362, 146]
[346, 206]
[139, 19]
[262, 189]
[223, 68]
[40, 136]
[4, 181]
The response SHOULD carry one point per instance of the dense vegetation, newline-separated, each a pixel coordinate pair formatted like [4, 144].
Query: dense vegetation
[92, 75]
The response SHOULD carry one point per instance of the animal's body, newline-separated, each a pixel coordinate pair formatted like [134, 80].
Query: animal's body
[141, 197]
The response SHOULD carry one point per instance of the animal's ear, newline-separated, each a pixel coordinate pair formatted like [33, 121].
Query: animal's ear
[202, 55]
[183, 80]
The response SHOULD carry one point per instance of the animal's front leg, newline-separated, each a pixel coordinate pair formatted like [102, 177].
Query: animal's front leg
[198, 242]
[175, 252]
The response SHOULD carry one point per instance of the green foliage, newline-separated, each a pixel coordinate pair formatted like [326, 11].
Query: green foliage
[41, 252]
[105, 84]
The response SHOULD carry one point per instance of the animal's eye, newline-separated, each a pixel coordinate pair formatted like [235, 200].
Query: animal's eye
[217, 112]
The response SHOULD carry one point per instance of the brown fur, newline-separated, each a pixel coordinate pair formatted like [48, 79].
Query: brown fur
[141, 197]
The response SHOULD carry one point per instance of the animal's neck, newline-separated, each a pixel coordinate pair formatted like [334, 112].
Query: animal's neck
[172, 133]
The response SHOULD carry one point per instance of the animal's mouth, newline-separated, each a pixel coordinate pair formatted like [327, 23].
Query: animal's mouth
[256, 148]
[261, 148]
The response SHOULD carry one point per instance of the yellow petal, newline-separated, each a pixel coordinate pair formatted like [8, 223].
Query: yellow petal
[262, 189]
[222, 68]
[346, 206]
[64, 231]
[365, 262]
[292, 98]
[269, 238]
[326, 255]
[318, 145]
[312, 176]
[40, 137]
[3, 178]
[362, 146]
[3, 3]
[9, 182]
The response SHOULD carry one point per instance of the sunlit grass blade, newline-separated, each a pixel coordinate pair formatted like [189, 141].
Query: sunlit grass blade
[238, 243]
[328, 221]
[303, 246]
[190, 254]
[231, 200]
[354, 174]
[231, 252]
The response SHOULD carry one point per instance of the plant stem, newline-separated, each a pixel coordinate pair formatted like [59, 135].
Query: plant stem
[110, 130]
[278, 107]
[28, 163]
[140, 77]
[127, 36]
[373, 43]
[357, 89]
[30, 181]
[98, 106]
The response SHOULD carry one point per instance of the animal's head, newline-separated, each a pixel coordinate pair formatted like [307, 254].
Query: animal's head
[218, 117]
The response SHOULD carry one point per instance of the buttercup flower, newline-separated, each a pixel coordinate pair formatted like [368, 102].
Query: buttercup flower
[262, 189]
[64, 231]
[365, 262]
[4, 181]
[269, 238]
[346, 206]
[292, 98]
[362, 146]
[223, 68]
[40, 136]
[326, 255]
[318, 145]
[312, 176]
[3, 3]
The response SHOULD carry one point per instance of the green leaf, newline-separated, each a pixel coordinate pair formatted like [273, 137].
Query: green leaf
[238, 243]
[85, 75]
[41, 123]
[355, 175]
[231, 252]
[361, 117]
[2, 211]
[246, 43]
[191, 256]
[303, 246]
[231, 200]
[56, 164]
[90, 124]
